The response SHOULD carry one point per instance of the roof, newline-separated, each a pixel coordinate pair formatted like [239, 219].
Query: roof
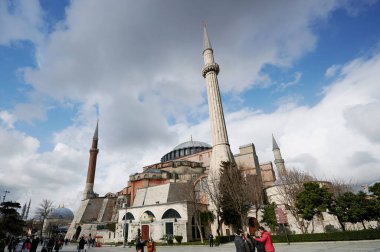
[189, 144]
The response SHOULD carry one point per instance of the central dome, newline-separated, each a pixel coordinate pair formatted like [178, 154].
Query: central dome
[185, 149]
[61, 213]
[190, 144]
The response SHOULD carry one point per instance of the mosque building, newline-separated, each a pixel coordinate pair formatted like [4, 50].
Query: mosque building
[165, 197]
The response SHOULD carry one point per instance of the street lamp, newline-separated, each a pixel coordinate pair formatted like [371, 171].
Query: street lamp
[125, 226]
[5, 194]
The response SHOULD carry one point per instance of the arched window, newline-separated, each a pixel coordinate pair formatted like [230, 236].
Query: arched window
[129, 216]
[171, 214]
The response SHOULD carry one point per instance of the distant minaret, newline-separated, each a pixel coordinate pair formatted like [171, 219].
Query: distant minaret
[278, 161]
[220, 147]
[89, 188]
[23, 211]
[27, 210]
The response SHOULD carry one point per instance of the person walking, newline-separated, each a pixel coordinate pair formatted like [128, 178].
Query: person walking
[211, 240]
[81, 244]
[266, 239]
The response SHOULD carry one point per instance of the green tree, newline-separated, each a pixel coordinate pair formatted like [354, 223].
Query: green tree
[353, 208]
[269, 216]
[234, 201]
[11, 220]
[313, 200]
[375, 189]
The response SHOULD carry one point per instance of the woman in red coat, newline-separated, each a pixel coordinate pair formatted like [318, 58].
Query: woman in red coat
[266, 239]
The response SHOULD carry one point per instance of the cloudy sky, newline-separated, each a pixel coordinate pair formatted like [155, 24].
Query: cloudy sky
[306, 71]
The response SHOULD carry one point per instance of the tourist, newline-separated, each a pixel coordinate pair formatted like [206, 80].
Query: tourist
[50, 244]
[57, 245]
[140, 245]
[266, 239]
[33, 247]
[239, 242]
[27, 245]
[248, 243]
[211, 240]
[81, 244]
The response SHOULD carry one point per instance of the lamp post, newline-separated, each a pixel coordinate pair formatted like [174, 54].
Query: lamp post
[124, 226]
[5, 194]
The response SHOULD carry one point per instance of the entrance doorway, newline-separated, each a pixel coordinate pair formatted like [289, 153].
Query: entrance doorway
[145, 232]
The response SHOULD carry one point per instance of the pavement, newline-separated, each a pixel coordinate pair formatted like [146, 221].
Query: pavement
[347, 246]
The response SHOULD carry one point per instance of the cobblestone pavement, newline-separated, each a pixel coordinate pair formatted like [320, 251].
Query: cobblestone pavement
[373, 245]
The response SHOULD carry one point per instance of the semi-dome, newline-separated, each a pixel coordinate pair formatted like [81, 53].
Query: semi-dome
[185, 149]
[61, 213]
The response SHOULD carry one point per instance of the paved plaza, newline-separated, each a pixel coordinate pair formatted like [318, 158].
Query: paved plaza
[373, 245]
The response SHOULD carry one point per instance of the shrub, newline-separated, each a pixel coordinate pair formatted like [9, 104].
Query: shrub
[178, 238]
[368, 234]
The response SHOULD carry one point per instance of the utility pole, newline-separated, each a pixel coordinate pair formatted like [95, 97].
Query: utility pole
[125, 225]
[5, 194]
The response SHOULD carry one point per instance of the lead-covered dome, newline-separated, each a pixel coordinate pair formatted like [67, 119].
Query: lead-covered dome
[186, 149]
[192, 144]
[61, 213]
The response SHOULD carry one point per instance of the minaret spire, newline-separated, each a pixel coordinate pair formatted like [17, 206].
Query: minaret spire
[274, 143]
[206, 40]
[278, 160]
[221, 151]
[89, 188]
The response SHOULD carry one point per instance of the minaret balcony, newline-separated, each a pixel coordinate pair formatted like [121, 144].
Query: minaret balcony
[210, 67]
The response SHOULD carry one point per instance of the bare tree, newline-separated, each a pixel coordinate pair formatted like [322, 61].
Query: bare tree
[43, 210]
[194, 194]
[339, 187]
[234, 200]
[211, 188]
[290, 185]
[255, 192]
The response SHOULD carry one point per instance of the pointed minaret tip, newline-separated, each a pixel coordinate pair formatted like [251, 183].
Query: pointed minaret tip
[206, 40]
[274, 143]
[96, 130]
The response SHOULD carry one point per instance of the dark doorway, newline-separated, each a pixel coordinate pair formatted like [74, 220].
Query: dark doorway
[169, 228]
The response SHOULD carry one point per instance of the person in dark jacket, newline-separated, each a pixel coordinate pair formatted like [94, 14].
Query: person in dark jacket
[33, 247]
[239, 242]
[81, 244]
[140, 245]
[50, 244]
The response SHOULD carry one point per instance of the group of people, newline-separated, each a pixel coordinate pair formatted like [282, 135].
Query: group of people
[30, 244]
[150, 244]
[247, 243]
[17, 244]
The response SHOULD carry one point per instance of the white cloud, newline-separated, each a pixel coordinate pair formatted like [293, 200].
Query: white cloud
[332, 71]
[20, 20]
[7, 119]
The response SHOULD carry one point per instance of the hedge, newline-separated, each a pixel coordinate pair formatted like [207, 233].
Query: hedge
[369, 234]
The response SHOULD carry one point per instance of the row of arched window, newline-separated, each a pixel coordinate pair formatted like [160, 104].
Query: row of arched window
[169, 214]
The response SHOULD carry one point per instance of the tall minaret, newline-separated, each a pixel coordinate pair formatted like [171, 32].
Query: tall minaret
[278, 161]
[220, 147]
[89, 188]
